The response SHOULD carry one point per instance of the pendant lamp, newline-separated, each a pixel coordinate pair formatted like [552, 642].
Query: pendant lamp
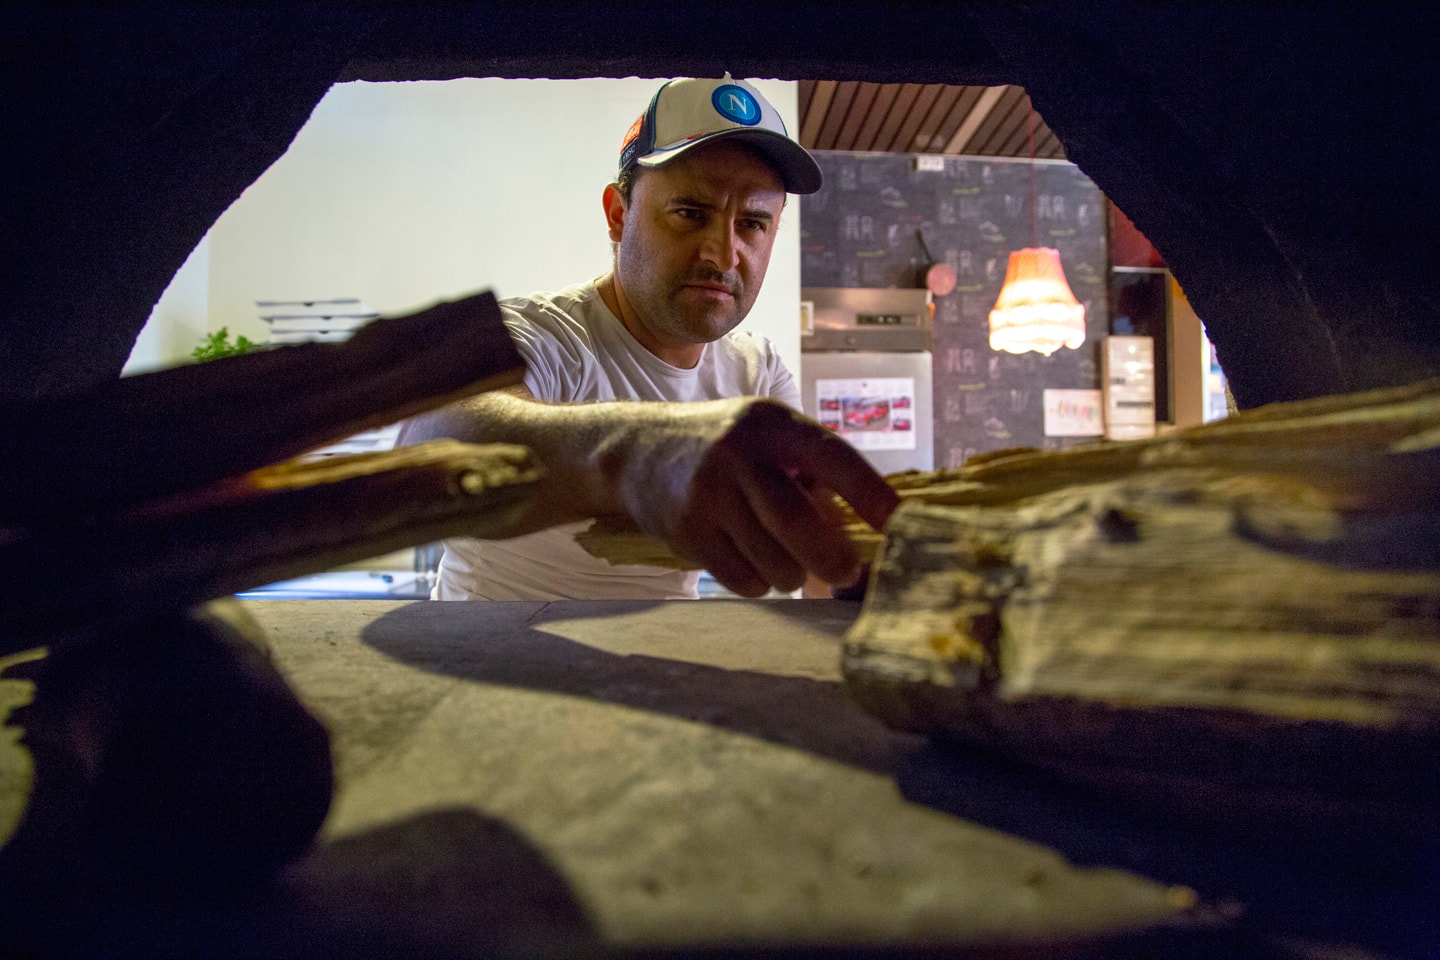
[1036, 309]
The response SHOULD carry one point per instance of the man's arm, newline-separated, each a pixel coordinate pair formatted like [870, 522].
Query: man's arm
[726, 483]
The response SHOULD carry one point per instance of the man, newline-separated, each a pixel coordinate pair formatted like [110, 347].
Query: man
[738, 484]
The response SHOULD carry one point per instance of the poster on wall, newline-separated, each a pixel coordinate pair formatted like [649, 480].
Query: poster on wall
[1074, 413]
[872, 414]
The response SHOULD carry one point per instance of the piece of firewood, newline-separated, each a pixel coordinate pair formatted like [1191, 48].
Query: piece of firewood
[268, 525]
[161, 433]
[1297, 438]
[1336, 443]
[1229, 638]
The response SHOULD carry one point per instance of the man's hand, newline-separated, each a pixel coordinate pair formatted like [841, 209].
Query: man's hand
[743, 487]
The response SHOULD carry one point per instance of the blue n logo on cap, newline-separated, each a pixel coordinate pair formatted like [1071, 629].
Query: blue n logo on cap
[737, 104]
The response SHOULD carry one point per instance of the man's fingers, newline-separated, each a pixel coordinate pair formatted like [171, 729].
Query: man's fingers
[819, 456]
[828, 461]
[739, 518]
[757, 511]
[790, 517]
[730, 568]
[769, 557]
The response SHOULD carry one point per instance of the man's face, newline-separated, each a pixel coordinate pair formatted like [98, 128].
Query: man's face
[694, 243]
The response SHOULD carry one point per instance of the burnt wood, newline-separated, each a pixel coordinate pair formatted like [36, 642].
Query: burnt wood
[136, 438]
[88, 580]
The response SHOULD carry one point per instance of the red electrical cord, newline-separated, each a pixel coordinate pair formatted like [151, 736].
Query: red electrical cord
[1030, 133]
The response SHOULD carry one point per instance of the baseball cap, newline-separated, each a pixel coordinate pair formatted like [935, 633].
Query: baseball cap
[686, 113]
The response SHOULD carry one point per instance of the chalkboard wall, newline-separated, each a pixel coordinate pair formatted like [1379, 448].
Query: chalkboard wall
[865, 227]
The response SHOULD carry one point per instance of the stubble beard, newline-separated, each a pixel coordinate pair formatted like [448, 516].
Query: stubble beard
[659, 303]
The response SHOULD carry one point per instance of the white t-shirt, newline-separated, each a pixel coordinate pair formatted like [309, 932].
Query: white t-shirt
[578, 351]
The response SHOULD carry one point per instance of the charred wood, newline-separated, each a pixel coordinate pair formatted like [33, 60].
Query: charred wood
[141, 437]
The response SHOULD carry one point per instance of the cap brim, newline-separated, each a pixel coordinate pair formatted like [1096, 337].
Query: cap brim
[799, 172]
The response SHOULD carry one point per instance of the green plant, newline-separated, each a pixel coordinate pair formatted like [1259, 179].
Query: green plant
[218, 344]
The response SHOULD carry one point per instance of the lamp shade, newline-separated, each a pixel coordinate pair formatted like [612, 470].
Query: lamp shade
[1036, 309]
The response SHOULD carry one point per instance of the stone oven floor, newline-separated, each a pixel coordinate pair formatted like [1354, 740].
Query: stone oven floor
[690, 779]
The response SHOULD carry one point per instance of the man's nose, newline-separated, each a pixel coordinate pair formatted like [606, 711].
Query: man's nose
[719, 246]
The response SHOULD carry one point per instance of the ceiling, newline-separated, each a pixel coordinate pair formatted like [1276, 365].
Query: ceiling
[922, 118]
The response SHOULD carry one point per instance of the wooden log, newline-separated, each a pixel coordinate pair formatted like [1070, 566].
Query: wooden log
[1245, 613]
[1338, 444]
[157, 434]
[271, 524]
[1172, 629]
[1307, 438]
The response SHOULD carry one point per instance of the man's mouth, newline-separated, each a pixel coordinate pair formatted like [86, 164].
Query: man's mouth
[712, 287]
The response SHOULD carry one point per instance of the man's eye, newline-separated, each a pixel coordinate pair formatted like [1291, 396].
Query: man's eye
[689, 213]
[758, 225]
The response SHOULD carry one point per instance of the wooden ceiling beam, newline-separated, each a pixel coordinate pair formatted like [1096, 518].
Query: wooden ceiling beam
[904, 99]
[929, 135]
[879, 113]
[827, 138]
[977, 116]
[815, 112]
[905, 139]
[859, 110]
[959, 110]
[1008, 109]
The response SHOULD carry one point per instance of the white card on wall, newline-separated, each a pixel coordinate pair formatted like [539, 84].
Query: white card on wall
[1074, 413]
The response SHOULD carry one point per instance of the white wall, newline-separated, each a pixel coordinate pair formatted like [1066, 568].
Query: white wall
[402, 194]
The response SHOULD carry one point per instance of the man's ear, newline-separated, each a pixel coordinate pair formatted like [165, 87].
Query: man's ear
[614, 212]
